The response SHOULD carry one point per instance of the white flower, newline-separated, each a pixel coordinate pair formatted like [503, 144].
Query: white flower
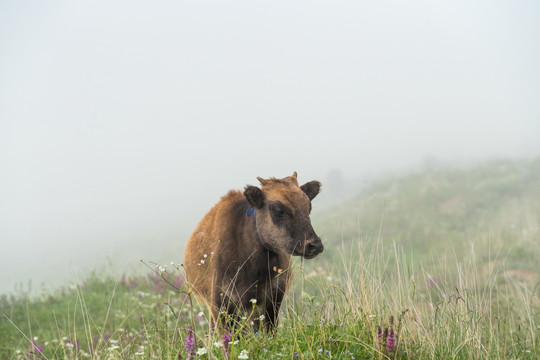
[201, 351]
[212, 253]
[201, 314]
[243, 355]
[35, 338]
[218, 344]
[172, 263]
[205, 255]
[253, 301]
[202, 261]
[261, 318]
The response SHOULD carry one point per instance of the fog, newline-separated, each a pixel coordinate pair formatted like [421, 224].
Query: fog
[123, 122]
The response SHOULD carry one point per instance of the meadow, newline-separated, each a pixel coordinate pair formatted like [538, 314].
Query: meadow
[438, 264]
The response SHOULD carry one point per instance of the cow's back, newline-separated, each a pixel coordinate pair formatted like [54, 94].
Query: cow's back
[212, 241]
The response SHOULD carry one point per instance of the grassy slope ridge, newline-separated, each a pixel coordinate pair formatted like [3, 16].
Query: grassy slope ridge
[445, 260]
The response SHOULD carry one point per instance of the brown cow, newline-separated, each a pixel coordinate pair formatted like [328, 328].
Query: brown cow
[239, 256]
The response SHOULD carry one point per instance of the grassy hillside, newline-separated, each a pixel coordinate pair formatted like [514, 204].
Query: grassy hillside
[439, 264]
[441, 212]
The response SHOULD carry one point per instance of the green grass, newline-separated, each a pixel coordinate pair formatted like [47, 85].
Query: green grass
[451, 256]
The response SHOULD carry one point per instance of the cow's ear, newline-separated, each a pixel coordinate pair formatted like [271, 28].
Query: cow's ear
[311, 189]
[254, 196]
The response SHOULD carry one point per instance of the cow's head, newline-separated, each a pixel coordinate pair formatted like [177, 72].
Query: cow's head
[282, 209]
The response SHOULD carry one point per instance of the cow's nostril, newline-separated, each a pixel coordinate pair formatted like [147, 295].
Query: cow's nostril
[316, 246]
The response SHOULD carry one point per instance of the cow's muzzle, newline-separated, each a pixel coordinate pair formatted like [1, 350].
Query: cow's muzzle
[313, 248]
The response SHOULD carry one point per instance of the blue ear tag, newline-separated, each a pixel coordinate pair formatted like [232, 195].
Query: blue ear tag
[249, 211]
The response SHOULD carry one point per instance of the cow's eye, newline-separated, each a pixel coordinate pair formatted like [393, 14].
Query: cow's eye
[279, 211]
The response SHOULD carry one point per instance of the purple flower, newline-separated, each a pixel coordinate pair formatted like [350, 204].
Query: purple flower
[391, 341]
[296, 355]
[190, 344]
[380, 338]
[225, 340]
[326, 352]
[37, 348]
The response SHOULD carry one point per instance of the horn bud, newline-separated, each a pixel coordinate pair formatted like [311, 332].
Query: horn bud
[294, 175]
[262, 181]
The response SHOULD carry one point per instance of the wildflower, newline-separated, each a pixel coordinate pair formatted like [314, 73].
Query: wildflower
[253, 301]
[265, 350]
[320, 351]
[202, 261]
[226, 341]
[243, 355]
[190, 344]
[326, 352]
[380, 339]
[201, 351]
[205, 255]
[296, 355]
[261, 318]
[140, 351]
[391, 341]
[37, 348]
[218, 344]
[172, 263]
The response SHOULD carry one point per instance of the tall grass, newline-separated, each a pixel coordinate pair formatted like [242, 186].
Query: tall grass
[463, 308]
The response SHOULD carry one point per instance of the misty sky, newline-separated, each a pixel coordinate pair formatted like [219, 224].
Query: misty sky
[122, 122]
